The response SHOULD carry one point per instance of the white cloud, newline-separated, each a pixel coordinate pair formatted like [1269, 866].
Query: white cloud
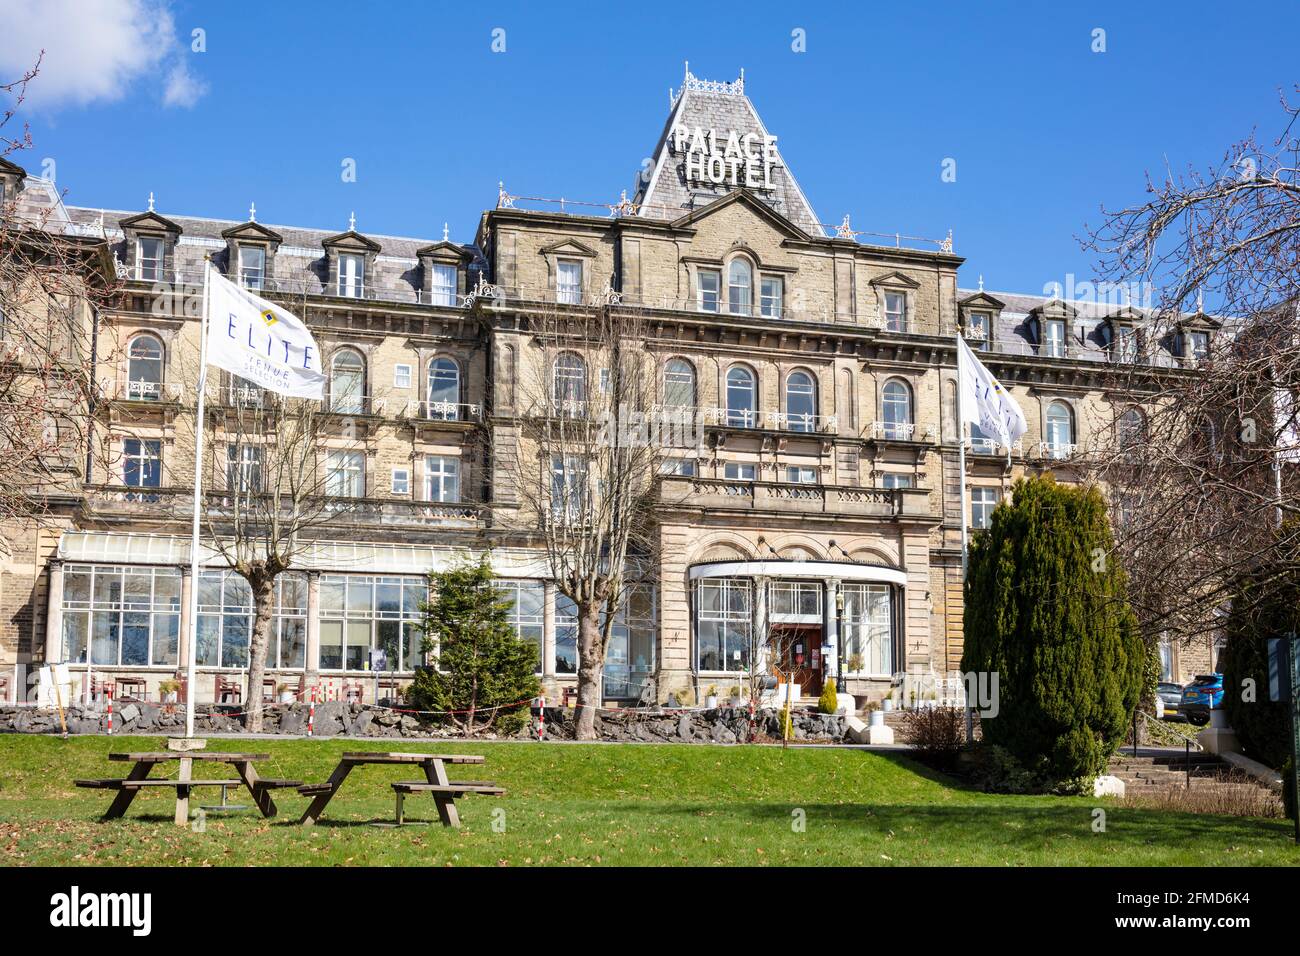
[183, 87]
[95, 51]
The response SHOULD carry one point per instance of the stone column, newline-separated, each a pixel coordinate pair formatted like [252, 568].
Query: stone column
[312, 661]
[761, 625]
[54, 614]
[548, 631]
[831, 641]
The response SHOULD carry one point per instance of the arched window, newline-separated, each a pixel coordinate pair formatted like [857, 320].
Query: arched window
[1132, 429]
[144, 371]
[569, 382]
[800, 402]
[740, 287]
[741, 397]
[444, 389]
[1060, 429]
[348, 382]
[896, 407]
[679, 384]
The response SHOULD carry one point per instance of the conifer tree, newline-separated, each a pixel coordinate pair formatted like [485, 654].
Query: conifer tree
[1047, 609]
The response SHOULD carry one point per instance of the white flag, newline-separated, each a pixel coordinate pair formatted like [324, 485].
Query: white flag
[261, 342]
[984, 401]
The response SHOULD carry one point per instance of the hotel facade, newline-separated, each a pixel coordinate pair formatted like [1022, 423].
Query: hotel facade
[824, 496]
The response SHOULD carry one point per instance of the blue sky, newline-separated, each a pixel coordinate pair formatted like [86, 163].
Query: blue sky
[1043, 130]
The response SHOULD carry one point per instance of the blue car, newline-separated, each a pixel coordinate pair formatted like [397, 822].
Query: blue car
[1203, 694]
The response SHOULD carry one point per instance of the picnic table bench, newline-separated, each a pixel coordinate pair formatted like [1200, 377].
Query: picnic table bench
[138, 779]
[436, 783]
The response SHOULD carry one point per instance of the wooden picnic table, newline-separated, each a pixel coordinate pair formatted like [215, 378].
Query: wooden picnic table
[138, 779]
[436, 783]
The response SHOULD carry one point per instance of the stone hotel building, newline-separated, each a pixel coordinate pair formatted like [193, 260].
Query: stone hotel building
[825, 496]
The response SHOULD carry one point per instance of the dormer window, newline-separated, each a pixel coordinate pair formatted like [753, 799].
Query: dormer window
[1196, 345]
[977, 329]
[352, 275]
[895, 311]
[443, 284]
[252, 267]
[568, 281]
[149, 259]
[1054, 338]
[708, 285]
[1124, 347]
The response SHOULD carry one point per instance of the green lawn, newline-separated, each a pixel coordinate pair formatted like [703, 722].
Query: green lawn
[605, 804]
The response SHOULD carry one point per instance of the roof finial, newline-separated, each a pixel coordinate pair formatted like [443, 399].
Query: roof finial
[151, 202]
[981, 282]
[352, 222]
[688, 67]
[252, 212]
[1200, 302]
[445, 237]
[844, 231]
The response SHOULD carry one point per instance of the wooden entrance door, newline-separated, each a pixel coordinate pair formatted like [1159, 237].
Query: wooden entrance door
[801, 647]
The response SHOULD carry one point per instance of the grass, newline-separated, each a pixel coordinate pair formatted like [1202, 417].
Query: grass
[655, 805]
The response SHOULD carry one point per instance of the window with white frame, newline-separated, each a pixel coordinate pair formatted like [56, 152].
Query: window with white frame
[983, 501]
[741, 397]
[896, 311]
[252, 267]
[526, 610]
[226, 615]
[738, 471]
[1054, 338]
[121, 616]
[771, 293]
[352, 275]
[678, 466]
[723, 623]
[443, 284]
[401, 376]
[801, 475]
[1198, 346]
[708, 286]
[441, 478]
[568, 281]
[977, 329]
[568, 487]
[348, 382]
[800, 402]
[1060, 429]
[244, 467]
[345, 474]
[142, 463]
[1125, 346]
[149, 259]
[896, 401]
[630, 656]
[740, 287]
[144, 368]
[868, 623]
[892, 479]
[361, 612]
[569, 383]
[401, 481]
[798, 602]
[444, 390]
[679, 383]
[566, 635]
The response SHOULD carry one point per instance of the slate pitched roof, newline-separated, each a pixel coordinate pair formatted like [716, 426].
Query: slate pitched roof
[721, 107]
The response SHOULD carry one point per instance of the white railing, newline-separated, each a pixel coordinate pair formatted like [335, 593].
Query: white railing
[349, 404]
[443, 411]
[141, 391]
[1056, 450]
[991, 446]
[893, 431]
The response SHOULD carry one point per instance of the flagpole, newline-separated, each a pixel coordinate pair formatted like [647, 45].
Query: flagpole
[193, 629]
[961, 453]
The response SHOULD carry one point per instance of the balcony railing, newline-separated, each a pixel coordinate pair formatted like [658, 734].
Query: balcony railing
[350, 404]
[900, 431]
[141, 391]
[443, 411]
[991, 446]
[1056, 450]
[797, 499]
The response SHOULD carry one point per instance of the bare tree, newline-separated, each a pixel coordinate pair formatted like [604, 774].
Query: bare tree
[54, 275]
[1198, 464]
[273, 485]
[589, 451]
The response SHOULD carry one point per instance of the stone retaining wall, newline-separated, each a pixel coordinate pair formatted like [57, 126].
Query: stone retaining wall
[336, 717]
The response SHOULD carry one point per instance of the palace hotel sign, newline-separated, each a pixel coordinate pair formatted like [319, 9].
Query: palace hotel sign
[736, 159]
